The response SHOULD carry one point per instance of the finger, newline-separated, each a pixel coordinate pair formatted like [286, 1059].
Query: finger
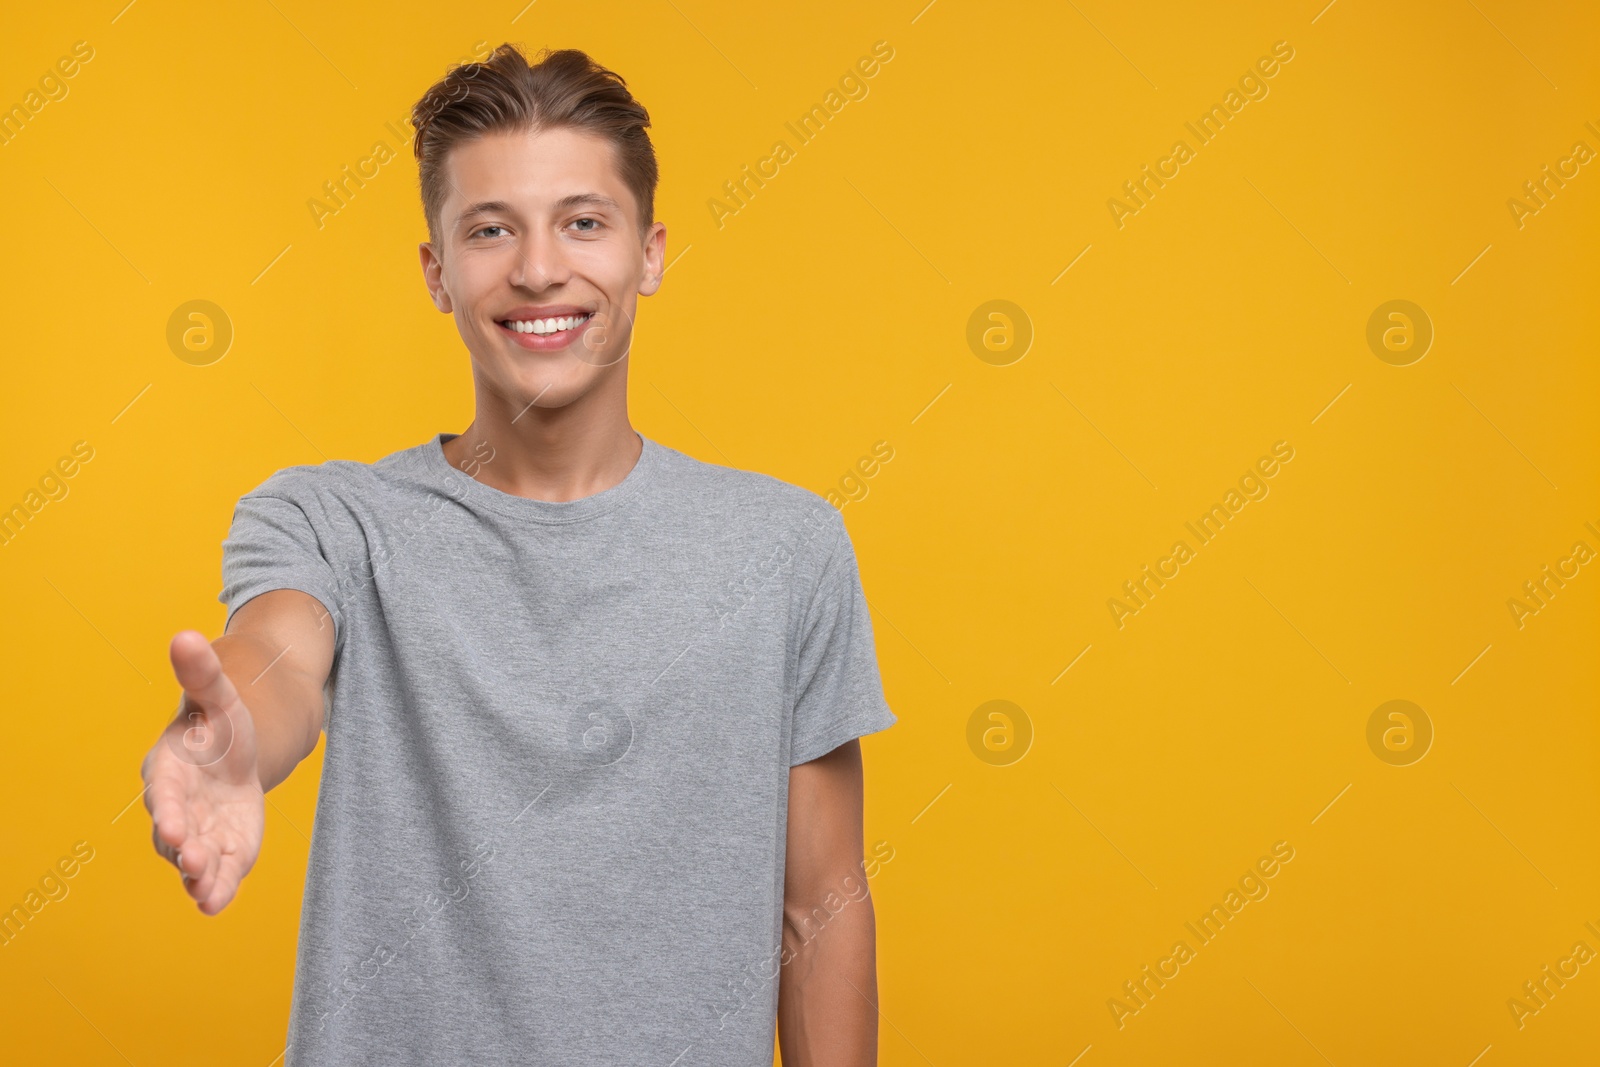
[169, 815]
[164, 850]
[199, 671]
[197, 863]
[229, 874]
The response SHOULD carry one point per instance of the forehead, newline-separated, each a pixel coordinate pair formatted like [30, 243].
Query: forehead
[532, 169]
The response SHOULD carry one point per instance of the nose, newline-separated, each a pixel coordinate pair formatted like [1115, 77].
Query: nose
[540, 262]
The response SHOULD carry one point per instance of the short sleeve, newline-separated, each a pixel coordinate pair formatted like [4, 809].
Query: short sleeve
[273, 544]
[839, 692]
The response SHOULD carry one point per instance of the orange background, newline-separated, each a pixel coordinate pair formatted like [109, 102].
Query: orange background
[1043, 859]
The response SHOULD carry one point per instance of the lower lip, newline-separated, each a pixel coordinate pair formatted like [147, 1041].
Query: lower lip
[547, 342]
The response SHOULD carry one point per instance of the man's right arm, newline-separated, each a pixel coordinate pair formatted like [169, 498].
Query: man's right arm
[251, 710]
[278, 652]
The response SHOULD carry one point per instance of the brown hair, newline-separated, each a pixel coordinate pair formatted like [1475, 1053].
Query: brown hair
[504, 93]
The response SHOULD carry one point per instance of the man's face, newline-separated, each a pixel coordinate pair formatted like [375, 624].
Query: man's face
[539, 227]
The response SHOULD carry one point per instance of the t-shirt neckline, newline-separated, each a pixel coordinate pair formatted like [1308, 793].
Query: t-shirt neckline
[462, 486]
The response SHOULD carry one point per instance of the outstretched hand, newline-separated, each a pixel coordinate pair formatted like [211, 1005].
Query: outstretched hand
[202, 785]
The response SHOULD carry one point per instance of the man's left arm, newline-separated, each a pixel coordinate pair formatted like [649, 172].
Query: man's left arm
[828, 989]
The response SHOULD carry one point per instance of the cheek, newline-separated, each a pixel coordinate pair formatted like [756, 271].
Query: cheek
[615, 293]
[475, 335]
[480, 279]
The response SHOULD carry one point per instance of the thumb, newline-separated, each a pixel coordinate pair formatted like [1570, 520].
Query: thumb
[199, 671]
[209, 697]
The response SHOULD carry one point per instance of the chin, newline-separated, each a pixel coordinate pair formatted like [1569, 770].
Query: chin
[545, 390]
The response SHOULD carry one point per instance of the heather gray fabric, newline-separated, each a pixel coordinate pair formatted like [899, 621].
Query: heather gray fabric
[552, 814]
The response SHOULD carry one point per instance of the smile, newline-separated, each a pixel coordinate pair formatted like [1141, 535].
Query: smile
[550, 334]
[544, 327]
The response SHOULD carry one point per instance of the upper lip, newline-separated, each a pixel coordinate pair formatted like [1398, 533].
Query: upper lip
[529, 312]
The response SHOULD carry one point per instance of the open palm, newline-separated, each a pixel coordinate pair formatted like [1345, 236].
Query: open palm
[203, 790]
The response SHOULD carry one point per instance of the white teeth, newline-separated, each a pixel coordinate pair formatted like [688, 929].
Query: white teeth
[544, 326]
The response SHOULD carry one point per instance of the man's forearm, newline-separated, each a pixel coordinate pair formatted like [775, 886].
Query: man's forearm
[828, 989]
[284, 708]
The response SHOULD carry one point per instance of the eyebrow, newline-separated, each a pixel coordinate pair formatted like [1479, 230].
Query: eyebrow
[500, 207]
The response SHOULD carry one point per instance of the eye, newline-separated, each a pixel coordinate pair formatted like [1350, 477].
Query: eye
[491, 226]
[587, 219]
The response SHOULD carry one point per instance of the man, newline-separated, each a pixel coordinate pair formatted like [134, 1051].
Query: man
[591, 791]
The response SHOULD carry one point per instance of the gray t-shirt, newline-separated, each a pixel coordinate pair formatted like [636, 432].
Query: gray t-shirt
[554, 793]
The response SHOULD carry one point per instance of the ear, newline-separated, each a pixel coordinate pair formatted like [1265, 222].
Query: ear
[655, 250]
[433, 277]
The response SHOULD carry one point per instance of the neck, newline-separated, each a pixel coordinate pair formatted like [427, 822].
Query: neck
[557, 454]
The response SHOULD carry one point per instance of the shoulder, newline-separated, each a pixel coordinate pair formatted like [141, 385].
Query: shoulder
[336, 485]
[750, 503]
[307, 480]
